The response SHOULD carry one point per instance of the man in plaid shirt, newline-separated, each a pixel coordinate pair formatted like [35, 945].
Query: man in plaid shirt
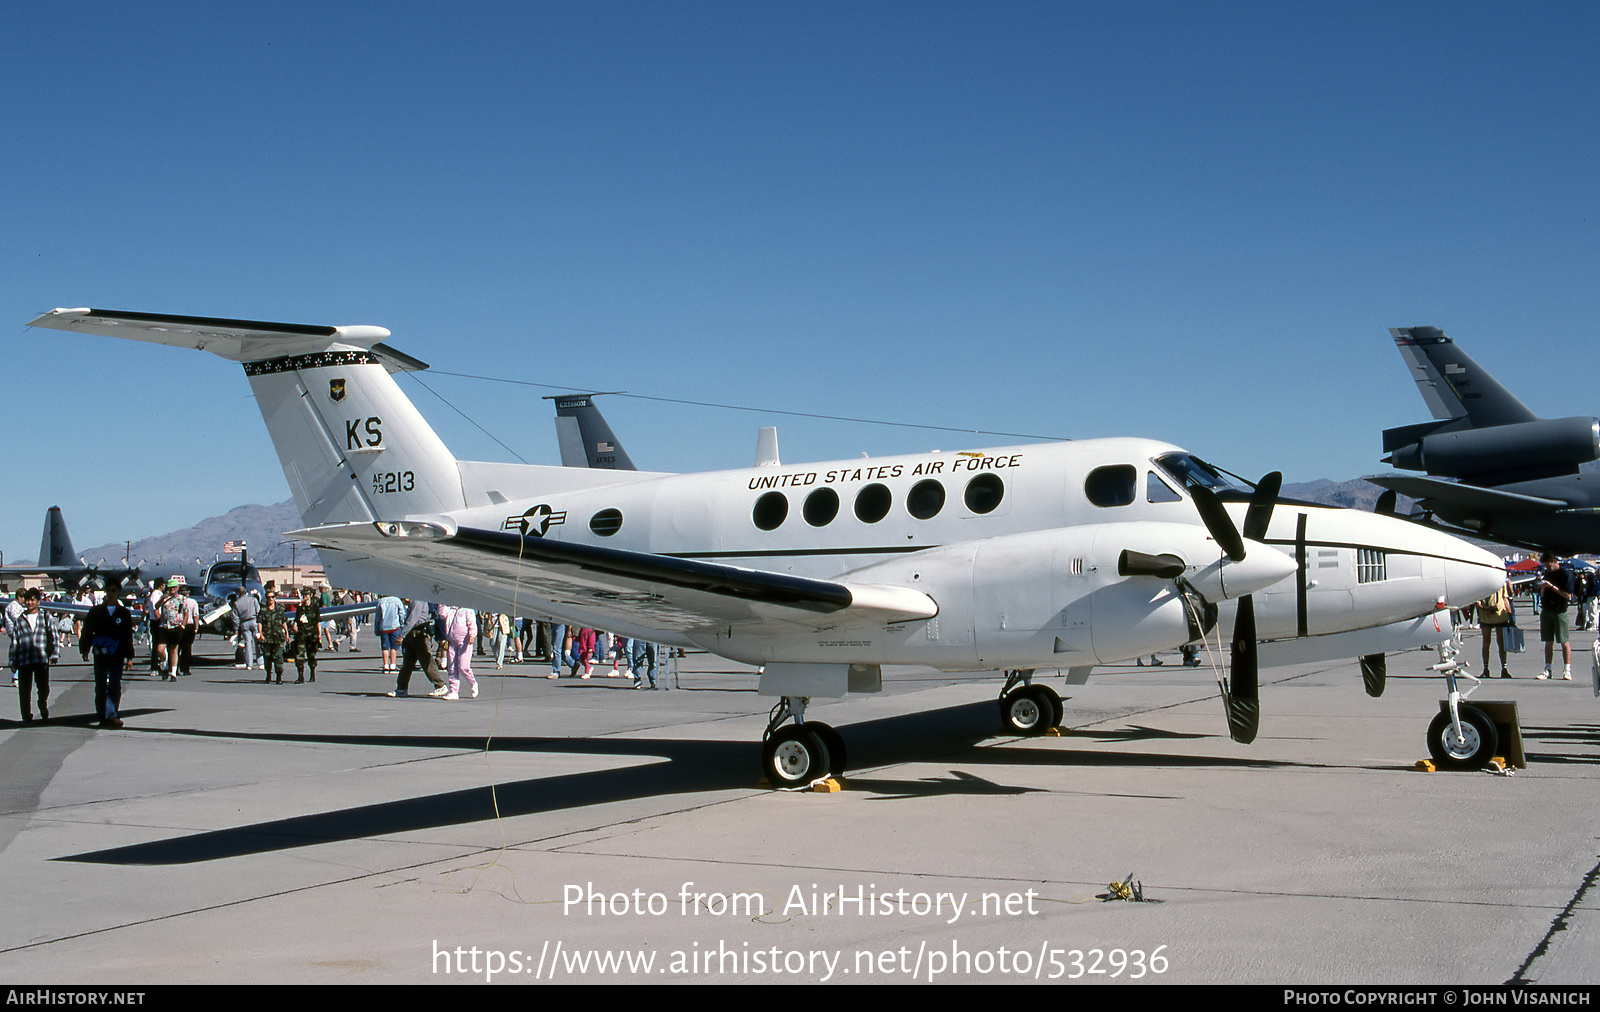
[33, 650]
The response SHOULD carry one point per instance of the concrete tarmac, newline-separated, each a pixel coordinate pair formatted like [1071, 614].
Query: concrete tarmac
[583, 832]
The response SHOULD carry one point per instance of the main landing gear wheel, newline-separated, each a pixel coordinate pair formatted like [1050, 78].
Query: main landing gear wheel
[837, 760]
[1058, 712]
[795, 755]
[1030, 710]
[1474, 747]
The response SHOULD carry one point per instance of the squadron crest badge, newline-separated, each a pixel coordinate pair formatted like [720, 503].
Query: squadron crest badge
[336, 390]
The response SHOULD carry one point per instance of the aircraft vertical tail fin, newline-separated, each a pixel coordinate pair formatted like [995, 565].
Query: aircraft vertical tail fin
[585, 437]
[352, 445]
[55, 547]
[1453, 385]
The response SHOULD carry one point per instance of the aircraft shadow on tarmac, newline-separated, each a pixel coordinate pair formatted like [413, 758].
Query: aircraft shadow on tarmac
[1578, 743]
[946, 735]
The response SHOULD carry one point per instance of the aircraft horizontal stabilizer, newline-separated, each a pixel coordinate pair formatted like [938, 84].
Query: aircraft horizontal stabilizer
[235, 340]
[1469, 497]
[660, 591]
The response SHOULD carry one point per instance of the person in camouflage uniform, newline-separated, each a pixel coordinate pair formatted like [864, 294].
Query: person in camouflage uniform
[274, 624]
[306, 635]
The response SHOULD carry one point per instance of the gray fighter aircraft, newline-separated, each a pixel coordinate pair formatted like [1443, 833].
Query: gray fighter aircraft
[1493, 468]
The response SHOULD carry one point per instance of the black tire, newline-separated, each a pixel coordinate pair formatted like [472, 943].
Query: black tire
[1481, 740]
[838, 758]
[794, 755]
[1024, 711]
[1058, 712]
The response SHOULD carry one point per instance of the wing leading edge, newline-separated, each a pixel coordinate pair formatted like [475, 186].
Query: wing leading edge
[1464, 496]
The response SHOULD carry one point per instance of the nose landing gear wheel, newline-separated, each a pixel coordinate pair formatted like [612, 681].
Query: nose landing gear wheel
[1471, 750]
[794, 755]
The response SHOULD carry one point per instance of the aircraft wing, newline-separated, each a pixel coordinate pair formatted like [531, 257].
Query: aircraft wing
[344, 610]
[654, 591]
[65, 608]
[331, 612]
[53, 607]
[1469, 497]
[73, 576]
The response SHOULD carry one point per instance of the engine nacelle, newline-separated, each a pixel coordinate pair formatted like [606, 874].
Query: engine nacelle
[1522, 446]
[1067, 597]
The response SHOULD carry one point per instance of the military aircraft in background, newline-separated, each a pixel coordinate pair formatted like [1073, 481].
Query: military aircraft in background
[1051, 556]
[586, 439]
[61, 564]
[1494, 469]
[584, 436]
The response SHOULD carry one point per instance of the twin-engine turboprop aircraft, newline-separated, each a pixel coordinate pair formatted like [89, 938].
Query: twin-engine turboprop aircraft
[1048, 556]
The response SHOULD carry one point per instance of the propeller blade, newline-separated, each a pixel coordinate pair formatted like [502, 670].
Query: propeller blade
[1132, 563]
[1218, 522]
[1241, 697]
[1387, 500]
[1265, 496]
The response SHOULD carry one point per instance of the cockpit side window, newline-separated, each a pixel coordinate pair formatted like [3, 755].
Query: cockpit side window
[1156, 490]
[1112, 485]
[1188, 471]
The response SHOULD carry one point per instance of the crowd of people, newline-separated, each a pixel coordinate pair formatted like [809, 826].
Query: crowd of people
[1557, 592]
[274, 629]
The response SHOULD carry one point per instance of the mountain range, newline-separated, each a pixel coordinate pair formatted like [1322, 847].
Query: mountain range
[260, 527]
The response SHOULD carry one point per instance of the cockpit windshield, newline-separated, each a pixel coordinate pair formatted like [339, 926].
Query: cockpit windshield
[1189, 471]
[232, 572]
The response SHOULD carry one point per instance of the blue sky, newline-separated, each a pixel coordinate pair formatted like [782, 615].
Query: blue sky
[1187, 221]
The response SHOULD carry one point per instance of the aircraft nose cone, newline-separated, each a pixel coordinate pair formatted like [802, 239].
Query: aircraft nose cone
[1472, 575]
[1260, 568]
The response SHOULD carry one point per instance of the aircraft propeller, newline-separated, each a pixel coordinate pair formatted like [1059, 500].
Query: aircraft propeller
[1241, 688]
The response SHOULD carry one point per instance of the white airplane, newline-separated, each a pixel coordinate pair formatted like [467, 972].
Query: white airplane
[1055, 556]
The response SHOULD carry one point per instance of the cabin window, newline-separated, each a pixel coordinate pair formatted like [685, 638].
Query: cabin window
[984, 493]
[821, 507]
[771, 511]
[606, 523]
[873, 502]
[1112, 485]
[925, 500]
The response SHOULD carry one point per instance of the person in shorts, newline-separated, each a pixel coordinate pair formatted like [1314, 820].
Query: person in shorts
[1555, 622]
[1495, 614]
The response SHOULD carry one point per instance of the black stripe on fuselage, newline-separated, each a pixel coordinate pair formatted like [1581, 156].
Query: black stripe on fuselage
[692, 574]
[800, 552]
